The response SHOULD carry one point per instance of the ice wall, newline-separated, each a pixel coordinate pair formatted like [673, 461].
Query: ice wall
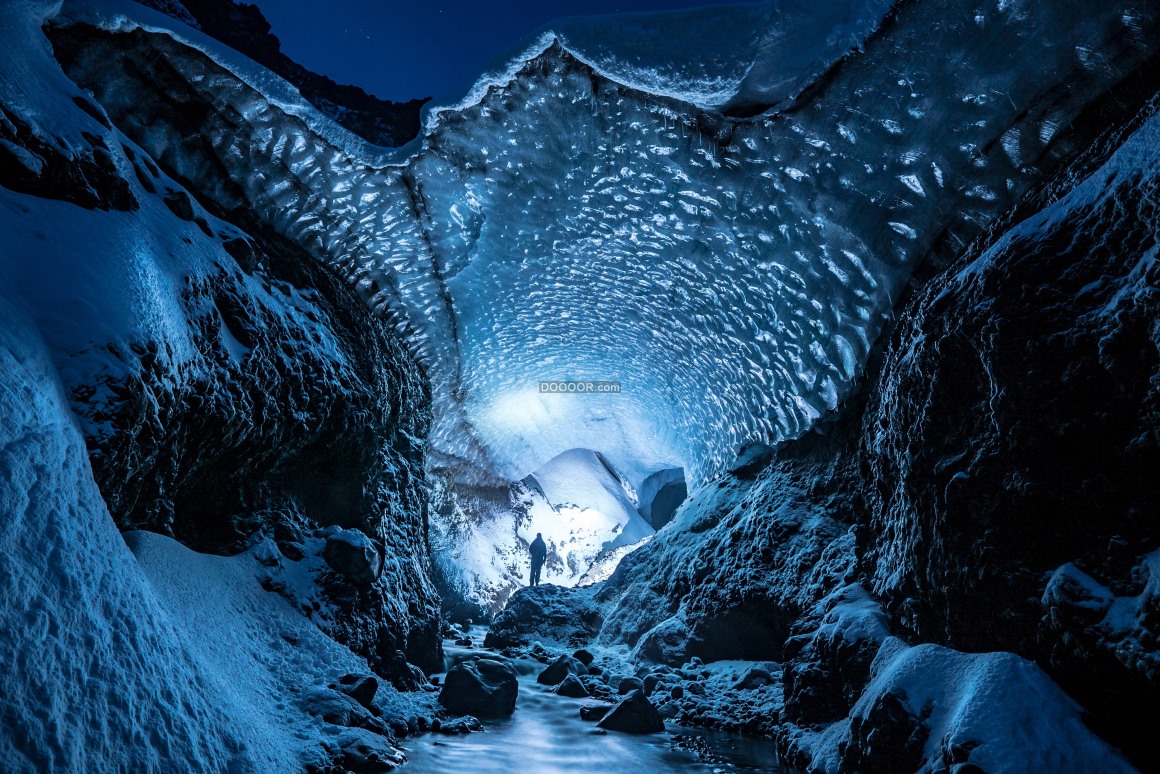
[731, 274]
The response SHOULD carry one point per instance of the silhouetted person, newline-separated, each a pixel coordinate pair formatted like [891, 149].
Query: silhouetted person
[539, 552]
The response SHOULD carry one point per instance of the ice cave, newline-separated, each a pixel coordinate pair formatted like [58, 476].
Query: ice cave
[739, 387]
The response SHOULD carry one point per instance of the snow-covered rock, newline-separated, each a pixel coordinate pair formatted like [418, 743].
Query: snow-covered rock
[550, 613]
[352, 553]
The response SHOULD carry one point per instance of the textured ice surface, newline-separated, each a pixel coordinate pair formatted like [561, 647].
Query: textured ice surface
[731, 274]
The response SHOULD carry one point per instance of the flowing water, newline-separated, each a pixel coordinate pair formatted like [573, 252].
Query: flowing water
[545, 735]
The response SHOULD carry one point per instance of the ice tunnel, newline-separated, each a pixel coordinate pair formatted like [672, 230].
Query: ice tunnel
[816, 342]
[723, 243]
[573, 218]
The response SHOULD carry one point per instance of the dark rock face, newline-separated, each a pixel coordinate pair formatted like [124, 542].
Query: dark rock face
[86, 177]
[888, 739]
[482, 687]
[304, 411]
[826, 668]
[244, 28]
[1034, 445]
[634, 714]
[291, 437]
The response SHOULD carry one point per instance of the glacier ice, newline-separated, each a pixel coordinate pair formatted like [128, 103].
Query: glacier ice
[730, 273]
[583, 507]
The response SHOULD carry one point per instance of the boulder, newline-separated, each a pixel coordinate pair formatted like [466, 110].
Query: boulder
[572, 687]
[559, 669]
[546, 613]
[484, 687]
[629, 684]
[361, 688]
[585, 657]
[353, 555]
[757, 676]
[366, 753]
[634, 714]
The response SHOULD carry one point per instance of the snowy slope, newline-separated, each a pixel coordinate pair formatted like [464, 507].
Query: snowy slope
[98, 673]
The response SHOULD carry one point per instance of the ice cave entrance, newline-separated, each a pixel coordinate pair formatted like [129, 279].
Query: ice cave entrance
[591, 515]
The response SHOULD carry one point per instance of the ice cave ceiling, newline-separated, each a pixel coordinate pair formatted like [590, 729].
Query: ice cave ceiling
[587, 214]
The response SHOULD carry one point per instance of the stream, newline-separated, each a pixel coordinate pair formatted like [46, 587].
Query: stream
[545, 735]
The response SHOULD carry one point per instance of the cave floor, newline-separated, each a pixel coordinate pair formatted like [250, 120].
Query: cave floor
[546, 735]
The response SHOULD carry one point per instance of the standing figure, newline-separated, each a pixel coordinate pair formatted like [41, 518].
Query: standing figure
[539, 553]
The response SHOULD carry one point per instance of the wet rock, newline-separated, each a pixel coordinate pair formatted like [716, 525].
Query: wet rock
[352, 554]
[677, 692]
[595, 671]
[339, 709]
[482, 687]
[572, 687]
[634, 714]
[585, 657]
[649, 683]
[463, 725]
[361, 688]
[629, 684]
[361, 752]
[560, 669]
[594, 711]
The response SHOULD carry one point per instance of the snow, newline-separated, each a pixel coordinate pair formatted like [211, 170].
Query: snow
[1019, 718]
[157, 658]
[259, 653]
[99, 673]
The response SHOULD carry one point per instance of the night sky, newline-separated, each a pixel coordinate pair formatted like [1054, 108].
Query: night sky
[400, 49]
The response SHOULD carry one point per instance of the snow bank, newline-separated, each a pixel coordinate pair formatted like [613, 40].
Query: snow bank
[99, 674]
[1002, 710]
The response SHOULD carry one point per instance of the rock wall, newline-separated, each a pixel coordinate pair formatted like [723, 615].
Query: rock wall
[270, 402]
